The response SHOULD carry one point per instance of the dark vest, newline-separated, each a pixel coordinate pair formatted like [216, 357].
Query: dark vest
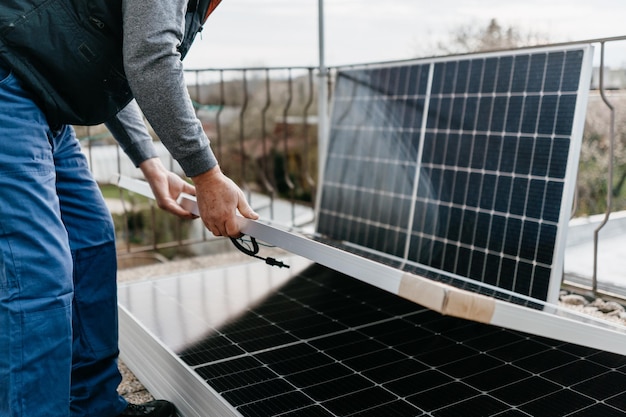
[69, 54]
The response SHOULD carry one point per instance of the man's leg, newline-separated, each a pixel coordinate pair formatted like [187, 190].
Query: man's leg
[55, 233]
[35, 265]
[95, 375]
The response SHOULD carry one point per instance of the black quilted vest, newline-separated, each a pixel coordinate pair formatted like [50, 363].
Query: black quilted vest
[69, 54]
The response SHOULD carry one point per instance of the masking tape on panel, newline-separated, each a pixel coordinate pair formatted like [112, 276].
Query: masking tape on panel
[422, 291]
[468, 305]
[446, 299]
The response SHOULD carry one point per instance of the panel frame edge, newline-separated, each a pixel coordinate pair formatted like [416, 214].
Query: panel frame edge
[164, 374]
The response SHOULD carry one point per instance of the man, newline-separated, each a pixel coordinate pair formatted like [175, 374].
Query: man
[58, 309]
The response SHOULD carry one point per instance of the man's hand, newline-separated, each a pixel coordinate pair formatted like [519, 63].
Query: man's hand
[166, 187]
[219, 198]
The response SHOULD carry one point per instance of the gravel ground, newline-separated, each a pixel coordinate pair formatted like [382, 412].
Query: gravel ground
[132, 389]
[596, 307]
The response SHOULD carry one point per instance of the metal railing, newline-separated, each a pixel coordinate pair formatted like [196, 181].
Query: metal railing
[263, 126]
[262, 123]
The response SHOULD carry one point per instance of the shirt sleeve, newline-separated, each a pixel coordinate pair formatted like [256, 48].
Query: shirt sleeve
[130, 131]
[153, 29]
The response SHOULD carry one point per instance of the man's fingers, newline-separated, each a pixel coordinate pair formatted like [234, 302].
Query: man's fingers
[213, 228]
[189, 189]
[247, 212]
[229, 228]
[170, 205]
[232, 227]
[245, 209]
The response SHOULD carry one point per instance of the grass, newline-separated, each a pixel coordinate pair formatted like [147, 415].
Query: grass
[113, 191]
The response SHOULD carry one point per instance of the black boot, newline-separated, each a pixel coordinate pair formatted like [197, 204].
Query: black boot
[156, 408]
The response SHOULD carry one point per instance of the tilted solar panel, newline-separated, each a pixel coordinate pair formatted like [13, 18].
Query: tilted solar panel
[463, 164]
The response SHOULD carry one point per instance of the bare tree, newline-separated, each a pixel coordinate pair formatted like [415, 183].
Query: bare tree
[470, 38]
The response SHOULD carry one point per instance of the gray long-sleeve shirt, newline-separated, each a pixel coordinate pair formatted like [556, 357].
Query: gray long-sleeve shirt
[152, 32]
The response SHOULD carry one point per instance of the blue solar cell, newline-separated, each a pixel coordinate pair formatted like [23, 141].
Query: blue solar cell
[514, 114]
[479, 151]
[520, 73]
[530, 114]
[503, 194]
[496, 233]
[498, 114]
[483, 118]
[558, 163]
[565, 115]
[492, 157]
[512, 237]
[551, 213]
[487, 191]
[547, 115]
[508, 154]
[571, 70]
[505, 69]
[525, 155]
[519, 193]
[475, 75]
[536, 73]
[541, 157]
[474, 187]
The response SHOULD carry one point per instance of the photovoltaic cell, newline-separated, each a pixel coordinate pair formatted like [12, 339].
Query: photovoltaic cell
[460, 164]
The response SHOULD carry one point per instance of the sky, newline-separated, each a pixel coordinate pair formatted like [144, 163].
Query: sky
[260, 33]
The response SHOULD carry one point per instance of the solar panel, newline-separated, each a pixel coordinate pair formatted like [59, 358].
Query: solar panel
[464, 164]
[314, 342]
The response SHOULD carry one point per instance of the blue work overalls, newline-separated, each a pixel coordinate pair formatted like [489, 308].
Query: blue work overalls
[58, 307]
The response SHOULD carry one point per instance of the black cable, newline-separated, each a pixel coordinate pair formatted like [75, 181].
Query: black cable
[238, 242]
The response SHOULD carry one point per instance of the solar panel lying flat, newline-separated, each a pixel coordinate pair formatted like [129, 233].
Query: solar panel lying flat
[319, 343]
[464, 164]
